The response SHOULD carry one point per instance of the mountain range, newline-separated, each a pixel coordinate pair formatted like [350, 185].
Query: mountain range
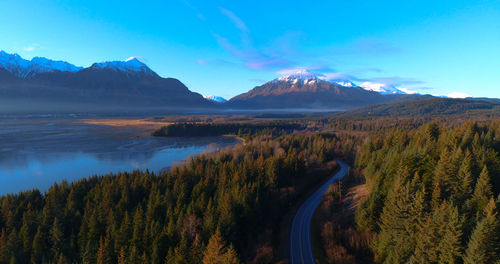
[44, 85]
[311, 91]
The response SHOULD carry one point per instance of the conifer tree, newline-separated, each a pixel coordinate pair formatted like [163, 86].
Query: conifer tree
[394, 245]
[104, 253]
[217, 252]
[464, 190]
[39, 246]
[450, 247]
[4, 250]
[482, 194]
[56, 237]
[483, 246]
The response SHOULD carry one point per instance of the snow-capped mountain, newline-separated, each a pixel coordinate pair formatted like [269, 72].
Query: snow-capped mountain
[213, 98]
[344, 83]
[305, 77]
[380, 88]
[44, 85]
[22, 68]
[299, 76]
[131, 64]
[306, 90]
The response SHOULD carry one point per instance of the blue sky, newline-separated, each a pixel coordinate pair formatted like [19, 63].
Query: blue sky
[228, 47]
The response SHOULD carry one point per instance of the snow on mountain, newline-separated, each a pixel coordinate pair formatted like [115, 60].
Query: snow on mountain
[214, 98]
[302, 75]
[380, 88]
[344, 83]
[22, 68]
[46, 65]
[306, 77]
[131, 64]
[458, 95]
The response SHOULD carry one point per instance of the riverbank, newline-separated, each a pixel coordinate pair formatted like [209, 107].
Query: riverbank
[36, 154]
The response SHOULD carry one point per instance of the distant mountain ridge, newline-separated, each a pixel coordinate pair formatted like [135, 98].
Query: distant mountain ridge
[433, 107]
[308, 90]
[213, 98]
[46, 85]
[22, 68]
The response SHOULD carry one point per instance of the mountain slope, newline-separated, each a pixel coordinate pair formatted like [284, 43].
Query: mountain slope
[428, 107]
[22, 68]
[118, 85]
[214, 98]
[306, 90]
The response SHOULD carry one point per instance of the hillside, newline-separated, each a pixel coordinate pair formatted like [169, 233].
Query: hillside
[30, 86]
[428, 107]
[304, 90]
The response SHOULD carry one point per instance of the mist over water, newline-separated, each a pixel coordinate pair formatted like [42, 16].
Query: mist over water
[35, 153]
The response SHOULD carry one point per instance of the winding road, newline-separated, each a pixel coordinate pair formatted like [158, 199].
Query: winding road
[300, 234]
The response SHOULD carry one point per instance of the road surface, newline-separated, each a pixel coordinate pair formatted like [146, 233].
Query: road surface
[300, 234]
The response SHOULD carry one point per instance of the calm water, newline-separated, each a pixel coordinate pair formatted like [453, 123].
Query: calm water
[37, 153]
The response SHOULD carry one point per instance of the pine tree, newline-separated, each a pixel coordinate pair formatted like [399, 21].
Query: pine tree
[39, 246]
[482, 194]
[230, 257]
[216, 251]
[394, 243]
[89, 253]
[436, 196]
[15, 247]
[104, 253]
[57, 238]
[483, 245]
[122, 256]
[429, 237]
[451, 246]
[137, 240]
[4, 250]
[465, 179]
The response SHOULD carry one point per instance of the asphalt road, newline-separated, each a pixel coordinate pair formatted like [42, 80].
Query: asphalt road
[300, 234]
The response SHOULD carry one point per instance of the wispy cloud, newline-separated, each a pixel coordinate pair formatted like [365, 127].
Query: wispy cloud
[318, 70]
[395, 80]
[236, 20]
[404, 84]
[408, 90]
[245, 52]
[31, 47]
[282, 53]
[458, 95]
[338, 76]
[195, 9]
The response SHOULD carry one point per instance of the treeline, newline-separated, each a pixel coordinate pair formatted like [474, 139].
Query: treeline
[430, 107]
[213, 209]
[217, 129]
[433, 194]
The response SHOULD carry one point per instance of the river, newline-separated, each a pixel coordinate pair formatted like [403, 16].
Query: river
[35, 153]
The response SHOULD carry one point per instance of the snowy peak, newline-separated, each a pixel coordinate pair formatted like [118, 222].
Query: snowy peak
[46, 65]
[344, 83]
[22, 68]
[380, 88]
[132, 64]
[302, 75]
[305, 77]
[213, 98]
[299, 77]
